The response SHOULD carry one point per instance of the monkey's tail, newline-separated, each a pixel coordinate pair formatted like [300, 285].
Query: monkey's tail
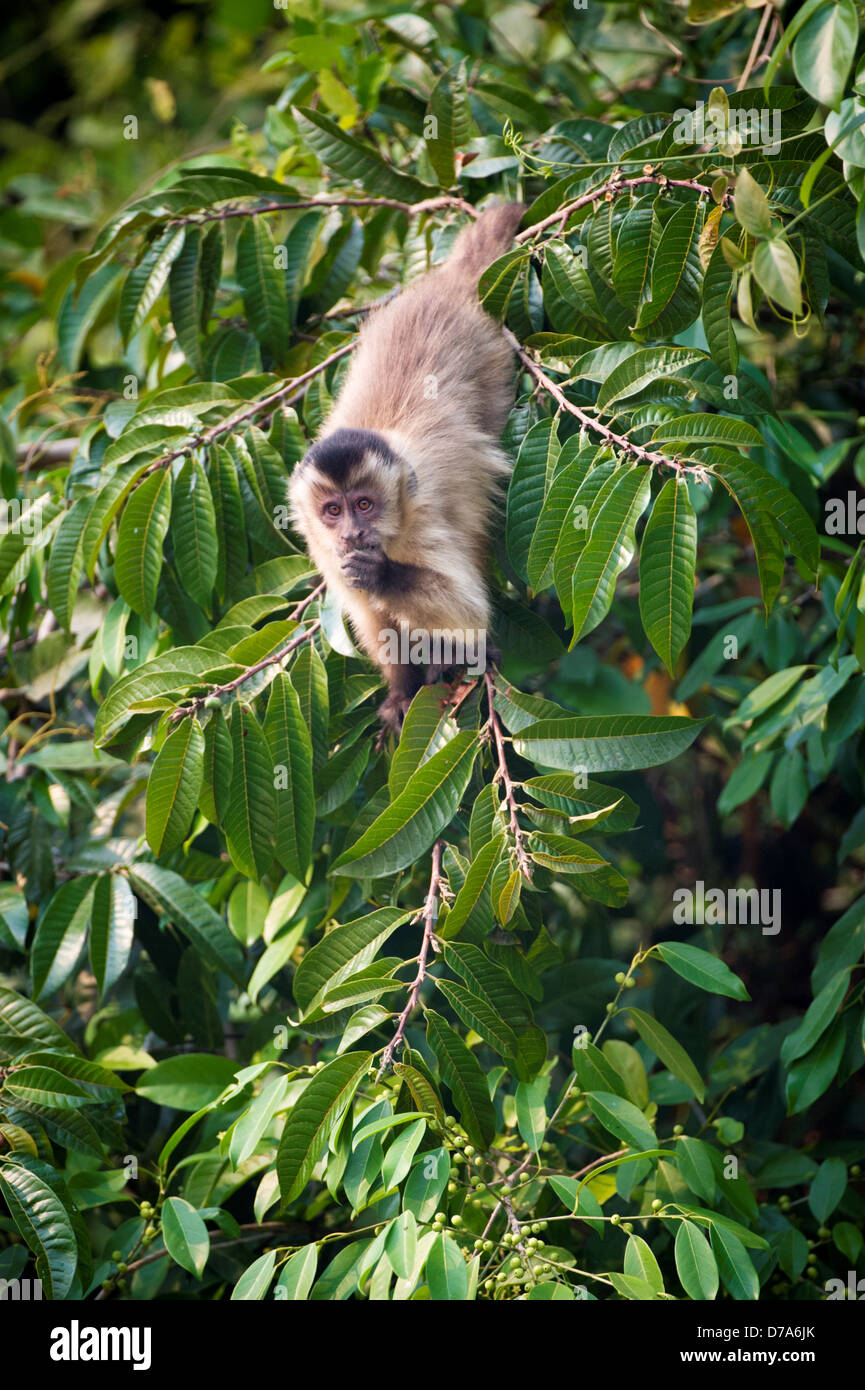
[483, 241]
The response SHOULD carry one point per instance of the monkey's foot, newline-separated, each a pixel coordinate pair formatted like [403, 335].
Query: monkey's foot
[393, 710]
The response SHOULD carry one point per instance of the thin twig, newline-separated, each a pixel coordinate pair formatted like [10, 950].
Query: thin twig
[410, 209]
[502, 775]
[767, 14]
[612, 187]
[183, 711]
[428, 917]
[255, 1232]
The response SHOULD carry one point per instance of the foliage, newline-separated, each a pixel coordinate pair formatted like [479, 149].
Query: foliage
[322, 1017]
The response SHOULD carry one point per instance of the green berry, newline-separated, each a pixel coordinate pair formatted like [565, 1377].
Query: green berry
[678, 1129]
[615, 1219]
[630, 983]
[456, 1221]
[657, 1204]
[855, 1171]
[619, 977]
[116, 1255]
[629, 1227]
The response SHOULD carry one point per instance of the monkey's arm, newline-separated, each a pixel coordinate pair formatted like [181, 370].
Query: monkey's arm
[424, 597]
[376, 574]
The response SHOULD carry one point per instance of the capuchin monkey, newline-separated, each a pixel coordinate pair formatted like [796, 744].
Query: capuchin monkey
[394, 498]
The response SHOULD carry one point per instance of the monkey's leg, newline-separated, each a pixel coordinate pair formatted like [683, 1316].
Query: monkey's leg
[404, 681]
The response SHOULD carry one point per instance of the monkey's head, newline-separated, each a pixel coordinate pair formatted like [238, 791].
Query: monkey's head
[348, 491]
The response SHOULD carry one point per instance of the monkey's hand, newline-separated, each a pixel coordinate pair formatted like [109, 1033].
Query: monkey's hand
[366, 569]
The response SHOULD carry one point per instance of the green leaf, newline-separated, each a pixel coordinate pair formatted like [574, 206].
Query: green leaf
[472, 910]
[446, 1271]
[818, 1017]
[756, 491]
[262, 281]
[193, 531]
[343, 952]
[607, 743]
[291, 750]
[824, 50]
[425, 730]
[695, 1263]
[531, 1111]
[407, 828]
[297, 1275]
[170, 896]
[174, 786]
[674, 292]
[640, 1263]
[700, 968]
[463, 1075]
[449, 106]
[532, 472]
[44, 1225]
[717, 294]
[66, 562]
[643, 367]
[566, 481]
[734, 1264]
[401, 1244]
[192, 1081]
[811, 1075]
[668, 1051]
[751, 205]
[186, 298]
[146, 281]
[355, 161]
[60, 934]
[622, 1119]
[776, 270]
[112, 930]
[427, 1180]
[249, 819]
[477, 1012]
[254, 1282]
[693, 1159]
[185, 1235]
[143, 528]
[668, 556]
[609, 548]
[827, 1188]
[314, 1118]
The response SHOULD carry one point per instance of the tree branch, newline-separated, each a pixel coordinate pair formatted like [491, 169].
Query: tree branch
[503, 776]
[410, 209]
[612, 188]
[428, 917]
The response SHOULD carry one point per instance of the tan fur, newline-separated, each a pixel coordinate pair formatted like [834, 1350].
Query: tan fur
[433, 376]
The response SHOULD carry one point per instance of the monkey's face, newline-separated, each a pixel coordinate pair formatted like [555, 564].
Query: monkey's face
[348, 492]
[353, 518]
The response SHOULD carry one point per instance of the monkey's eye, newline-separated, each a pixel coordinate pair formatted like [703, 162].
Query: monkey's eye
[363, 504]
[333, 509]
